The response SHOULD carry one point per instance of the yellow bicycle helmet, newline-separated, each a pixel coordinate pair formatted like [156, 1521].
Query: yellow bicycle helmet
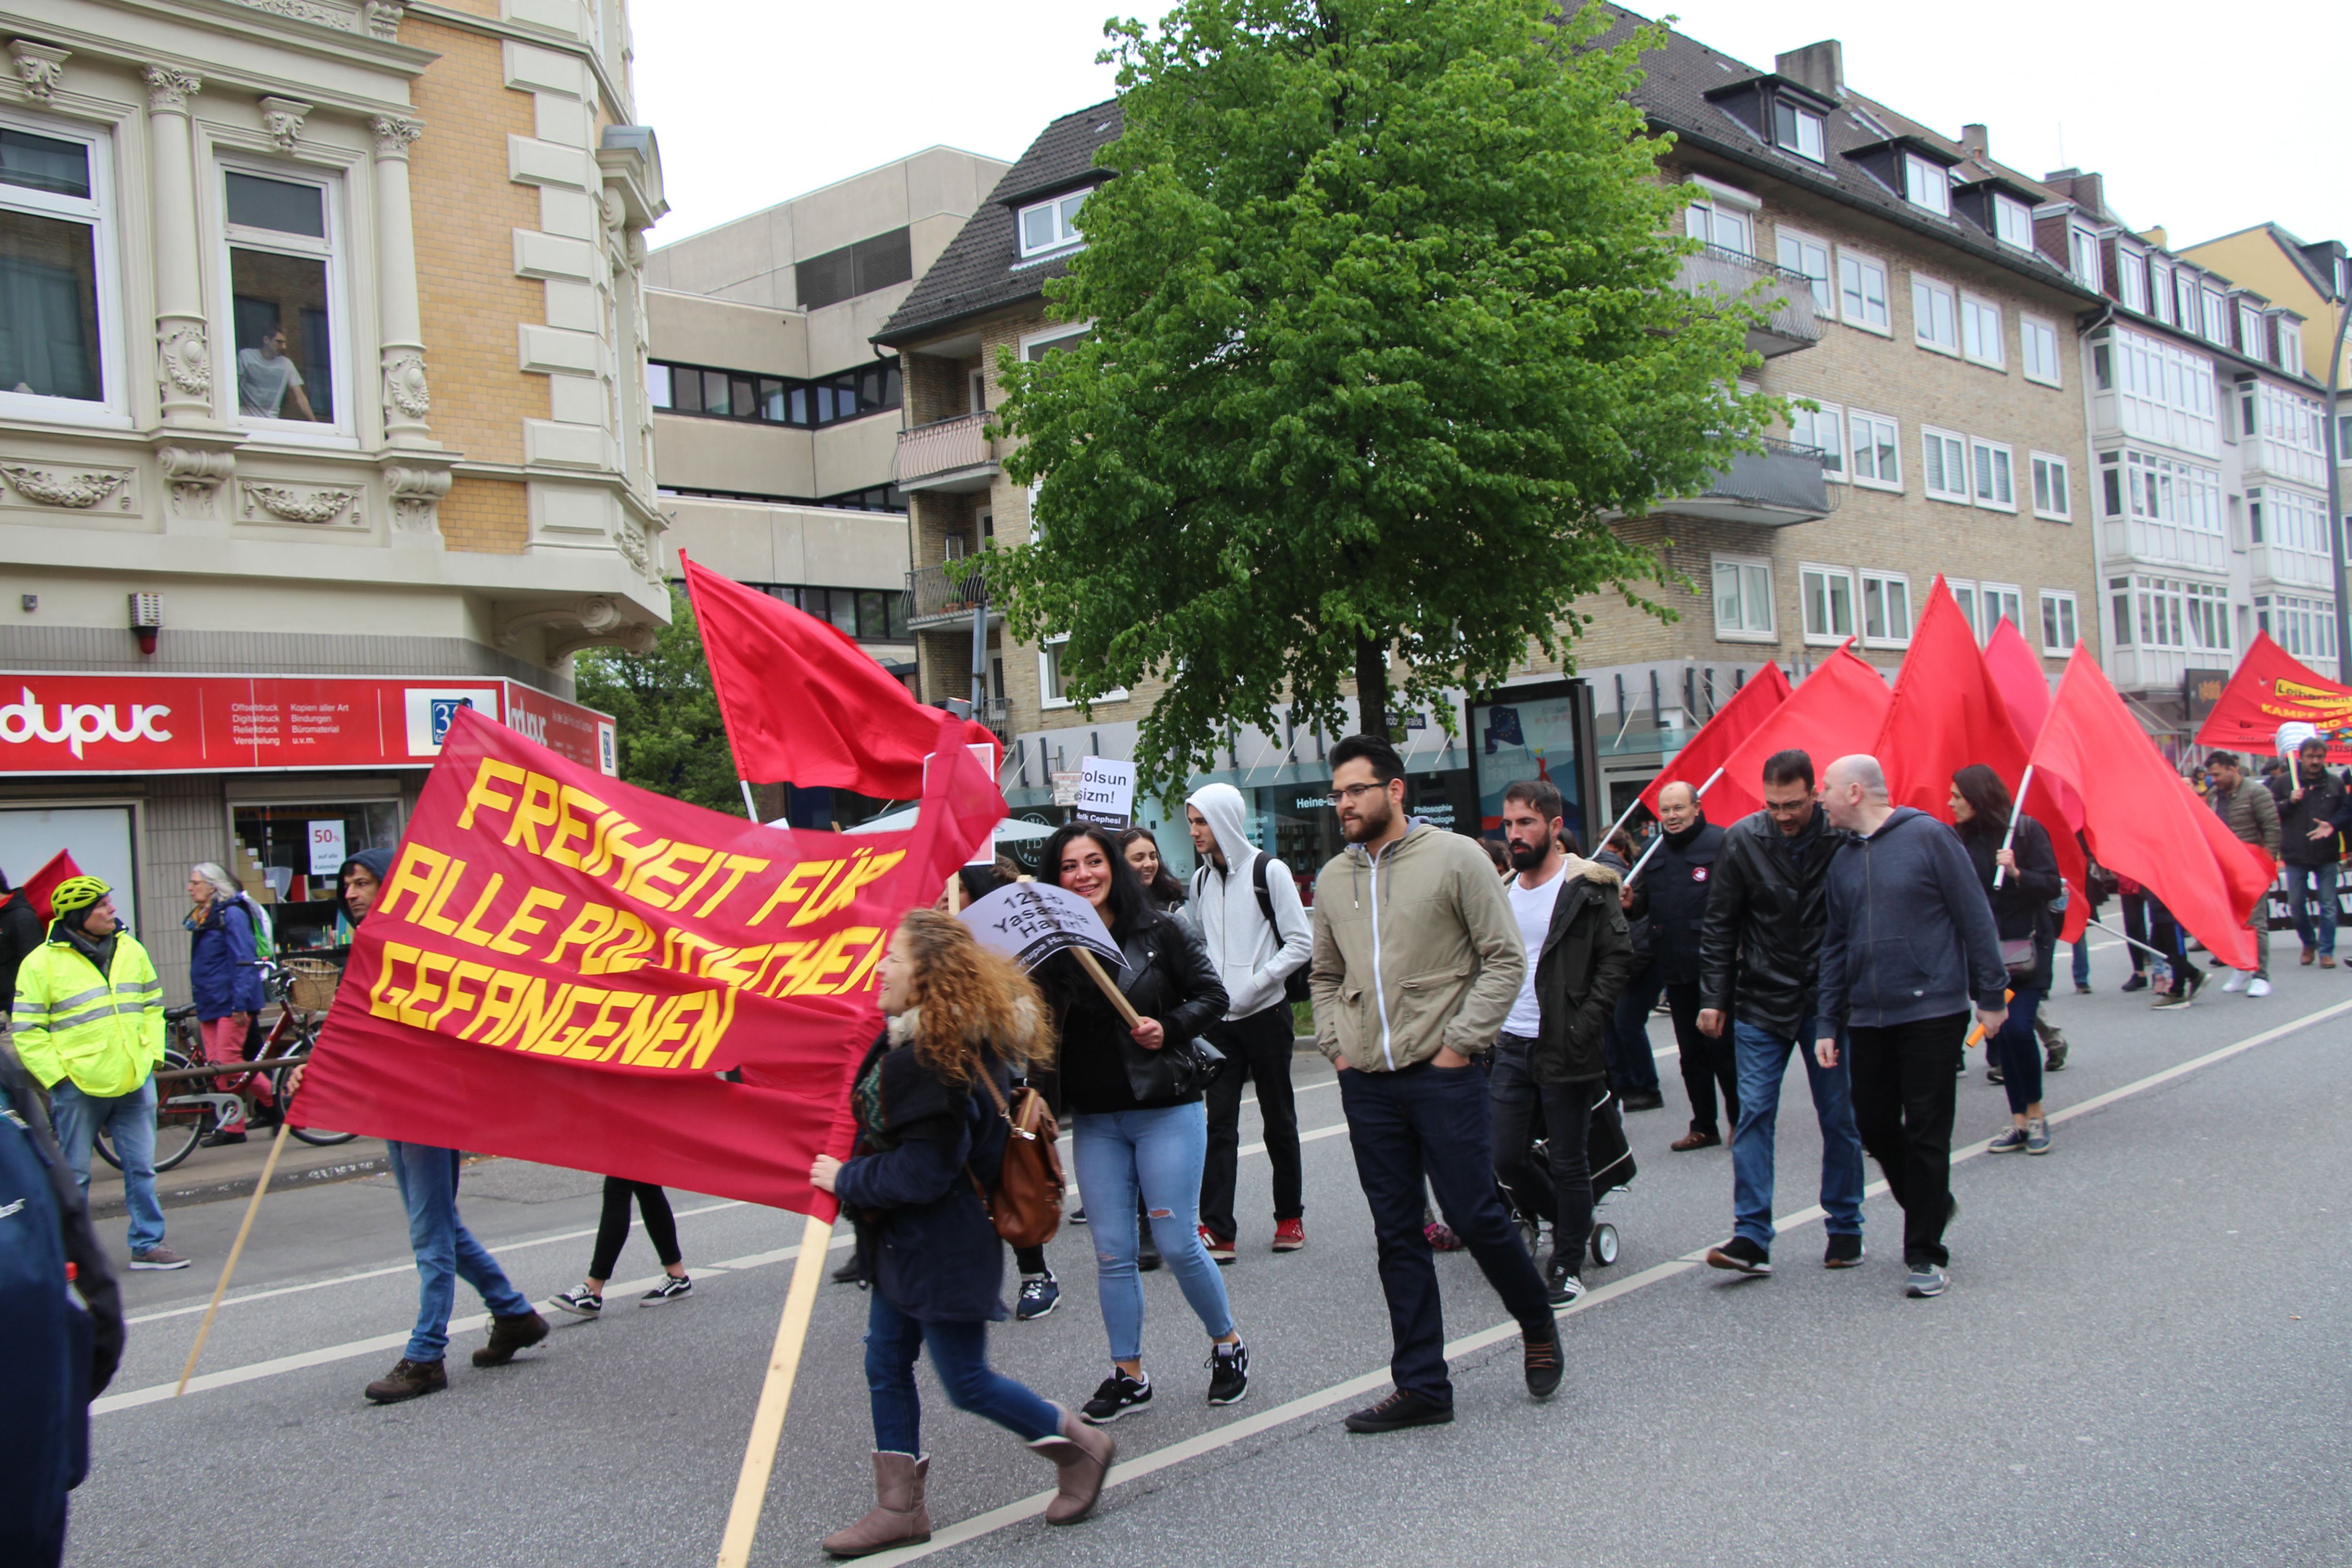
[76, 894]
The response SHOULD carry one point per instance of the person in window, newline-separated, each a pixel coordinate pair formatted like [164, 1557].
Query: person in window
[266, 379]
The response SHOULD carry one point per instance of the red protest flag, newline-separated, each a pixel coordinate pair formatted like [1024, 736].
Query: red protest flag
[558, 966]
[37, 886]
[2143, 820]
[1949, 712]
[802, 702]
[2270, 688]
[1721, 735]
[1833, 713]
[2016, 669]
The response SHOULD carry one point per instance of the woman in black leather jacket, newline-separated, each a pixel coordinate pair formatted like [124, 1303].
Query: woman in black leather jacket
[2028, 867]
[1137, 1122]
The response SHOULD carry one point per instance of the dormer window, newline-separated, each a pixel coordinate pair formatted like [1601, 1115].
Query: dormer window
[2250, 332]
[1052, 226]
[1797, 128]
[2131, 270]
[2082, 257]
[2013, 222]
[1927, 184]
[2290, 347]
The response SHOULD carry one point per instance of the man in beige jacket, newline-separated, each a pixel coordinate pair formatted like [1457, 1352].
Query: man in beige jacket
[1417, 962]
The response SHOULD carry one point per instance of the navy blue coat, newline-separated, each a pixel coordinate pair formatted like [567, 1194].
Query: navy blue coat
[1910, 933]
[925, 1234]
[220, 963]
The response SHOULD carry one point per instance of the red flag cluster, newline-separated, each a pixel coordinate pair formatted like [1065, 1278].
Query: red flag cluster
[2270, 688]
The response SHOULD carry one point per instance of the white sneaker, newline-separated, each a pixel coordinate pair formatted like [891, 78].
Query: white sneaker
[2259, 988]
[2237, 982]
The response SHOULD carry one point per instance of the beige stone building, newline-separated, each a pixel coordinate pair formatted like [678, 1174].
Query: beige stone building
[321, 416]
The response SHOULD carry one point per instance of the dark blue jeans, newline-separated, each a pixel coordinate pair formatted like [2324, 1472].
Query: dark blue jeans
[960, 1358]
[2017, 1052]
[446, 1250]
[2311, 897]
[1430, 1123]
[1632, 1067]
[1763, 1064]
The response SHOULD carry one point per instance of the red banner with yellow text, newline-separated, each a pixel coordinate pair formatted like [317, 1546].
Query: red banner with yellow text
[559, 966]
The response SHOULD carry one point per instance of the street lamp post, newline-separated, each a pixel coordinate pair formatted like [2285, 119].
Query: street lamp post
[2335, 449]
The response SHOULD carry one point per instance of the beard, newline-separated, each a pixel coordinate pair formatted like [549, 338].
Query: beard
[1370, 822]
[1526, 857]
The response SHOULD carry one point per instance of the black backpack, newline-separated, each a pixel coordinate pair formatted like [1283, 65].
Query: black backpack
[1294, 984]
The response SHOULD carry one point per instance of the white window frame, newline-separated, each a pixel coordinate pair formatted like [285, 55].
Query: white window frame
[1068, 235]
[2131, 278]
[2027, 326]
[1990, 349]
[1854, 447]
[2083, 260]
[2250, 330]
[2060, 485]
[1995, 461]
[1964, 594]
[1925, 293]
[2213, 317]
[1864, 264]
[2008, 214]
[1824, 282]
[334, 250]
[2159, 290]
[112, 407]
[2289, 344]
[2069, 618]
[1991, 598]
[1813, 578]
[1743, 564]
[1807, 430]
[1045, 338]
[1926, 184]
[1883, 581]
[1952, 445]
[1046, 679]
[1798, 117]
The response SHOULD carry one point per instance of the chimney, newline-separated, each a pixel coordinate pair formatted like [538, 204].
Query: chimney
[1821, 67]
[2087, 192]
[1974, 138]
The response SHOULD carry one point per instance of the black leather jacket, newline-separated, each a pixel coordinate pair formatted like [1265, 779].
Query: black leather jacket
[1760, 952]
[1167, 977]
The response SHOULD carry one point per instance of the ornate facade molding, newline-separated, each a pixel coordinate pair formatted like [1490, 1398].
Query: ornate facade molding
[341, 18]
[39, 67]
[282, 118]
[404, 385]
[183, 360]
[317, 506]
[416, 493]
[394, 134]
[169, 88]
[382, 18]
[195, 475]
[73, 491]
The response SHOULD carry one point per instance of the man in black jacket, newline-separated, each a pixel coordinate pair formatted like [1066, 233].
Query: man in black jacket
[2313, 808]
[1676, 881]
[1759, 960]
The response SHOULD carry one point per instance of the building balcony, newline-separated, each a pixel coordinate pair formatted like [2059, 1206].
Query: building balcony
[948, 592]
[1781, 485]
[2296, 571]
[946, 456]
[1792, 325]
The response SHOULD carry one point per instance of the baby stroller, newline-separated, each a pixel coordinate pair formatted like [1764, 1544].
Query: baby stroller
[1611, 1161]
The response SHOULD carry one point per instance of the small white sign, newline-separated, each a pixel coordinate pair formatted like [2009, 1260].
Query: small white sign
[1065, 788]
[1106, 792]
[327, 854]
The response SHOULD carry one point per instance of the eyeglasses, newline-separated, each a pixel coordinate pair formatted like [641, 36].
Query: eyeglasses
[1350, 793]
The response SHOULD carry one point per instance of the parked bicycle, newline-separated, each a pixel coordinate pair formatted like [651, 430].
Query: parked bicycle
[190, 1103]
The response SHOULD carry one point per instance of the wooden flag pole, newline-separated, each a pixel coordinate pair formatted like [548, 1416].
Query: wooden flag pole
[1087, 961]
[252, 1207]
[775, 1396]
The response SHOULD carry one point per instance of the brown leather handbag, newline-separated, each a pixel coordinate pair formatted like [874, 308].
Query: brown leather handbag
[1026, 1207]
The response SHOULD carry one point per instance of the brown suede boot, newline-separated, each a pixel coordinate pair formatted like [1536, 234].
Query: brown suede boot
[509, 1334]
[1083, 1454]
[407, 1380]
[898, 1516]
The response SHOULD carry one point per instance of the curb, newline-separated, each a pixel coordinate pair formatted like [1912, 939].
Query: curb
[205, 1192]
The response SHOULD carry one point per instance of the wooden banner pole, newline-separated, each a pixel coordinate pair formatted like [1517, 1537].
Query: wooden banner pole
[252, 1207]
[1093, 967]
[775, 1396]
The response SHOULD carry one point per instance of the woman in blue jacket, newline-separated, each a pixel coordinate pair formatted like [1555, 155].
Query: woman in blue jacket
[930, 1141]
[227, 985]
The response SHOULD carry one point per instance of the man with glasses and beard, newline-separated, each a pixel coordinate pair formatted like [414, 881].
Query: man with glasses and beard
[1417, 963]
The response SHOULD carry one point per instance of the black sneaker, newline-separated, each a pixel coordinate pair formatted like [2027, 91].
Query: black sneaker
[1228, 1373]
[671, 1288]
[583, 1302]
[1645, 1099]
[1119, 1396]
[1398, 1411]
[1078, 1215]
[2139, 982]
[1561, 1284]
[1844, 1252]
[1740, 1256]
[1544, 1361]
[1926, 1281]
[1040, 1294]
[851, 1272]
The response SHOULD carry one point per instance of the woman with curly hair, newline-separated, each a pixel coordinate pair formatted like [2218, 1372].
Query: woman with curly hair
[929, 1141]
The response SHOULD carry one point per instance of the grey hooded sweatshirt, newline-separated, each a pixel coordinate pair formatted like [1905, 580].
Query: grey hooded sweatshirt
[1253, 958]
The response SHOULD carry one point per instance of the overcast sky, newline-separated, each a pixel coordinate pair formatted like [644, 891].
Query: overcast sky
[2205, 120]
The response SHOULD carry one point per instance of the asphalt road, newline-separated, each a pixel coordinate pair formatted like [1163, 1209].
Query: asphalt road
[2142, 1361]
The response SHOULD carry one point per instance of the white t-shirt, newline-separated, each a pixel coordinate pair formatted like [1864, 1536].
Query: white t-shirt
[1532, 907]
[261, 383]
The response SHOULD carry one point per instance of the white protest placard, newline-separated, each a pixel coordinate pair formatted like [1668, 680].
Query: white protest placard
[327, 854]
[1031, 921]
[1106, 792]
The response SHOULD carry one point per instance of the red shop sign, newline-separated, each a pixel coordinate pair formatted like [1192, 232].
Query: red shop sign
[215, 723]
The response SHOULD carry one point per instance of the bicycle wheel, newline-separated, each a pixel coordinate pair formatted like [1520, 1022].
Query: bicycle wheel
[179, 1127]
[314, 1135]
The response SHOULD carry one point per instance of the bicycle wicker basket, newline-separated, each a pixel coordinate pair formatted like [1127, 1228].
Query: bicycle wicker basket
[315, 979]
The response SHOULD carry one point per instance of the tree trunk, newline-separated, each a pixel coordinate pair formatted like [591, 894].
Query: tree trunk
[1372, 687]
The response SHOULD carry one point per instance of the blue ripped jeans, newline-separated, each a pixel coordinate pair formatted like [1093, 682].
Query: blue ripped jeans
[1162, 1152]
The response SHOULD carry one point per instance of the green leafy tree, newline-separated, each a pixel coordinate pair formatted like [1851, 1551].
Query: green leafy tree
[671, 738]
[1385, 335]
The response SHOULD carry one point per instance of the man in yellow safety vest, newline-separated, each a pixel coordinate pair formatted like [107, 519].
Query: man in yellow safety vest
[89, 1023]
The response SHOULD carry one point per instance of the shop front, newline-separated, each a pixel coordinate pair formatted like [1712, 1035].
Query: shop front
[280, 779]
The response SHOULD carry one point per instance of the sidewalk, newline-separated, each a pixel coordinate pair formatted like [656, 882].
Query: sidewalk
[208, 1175]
